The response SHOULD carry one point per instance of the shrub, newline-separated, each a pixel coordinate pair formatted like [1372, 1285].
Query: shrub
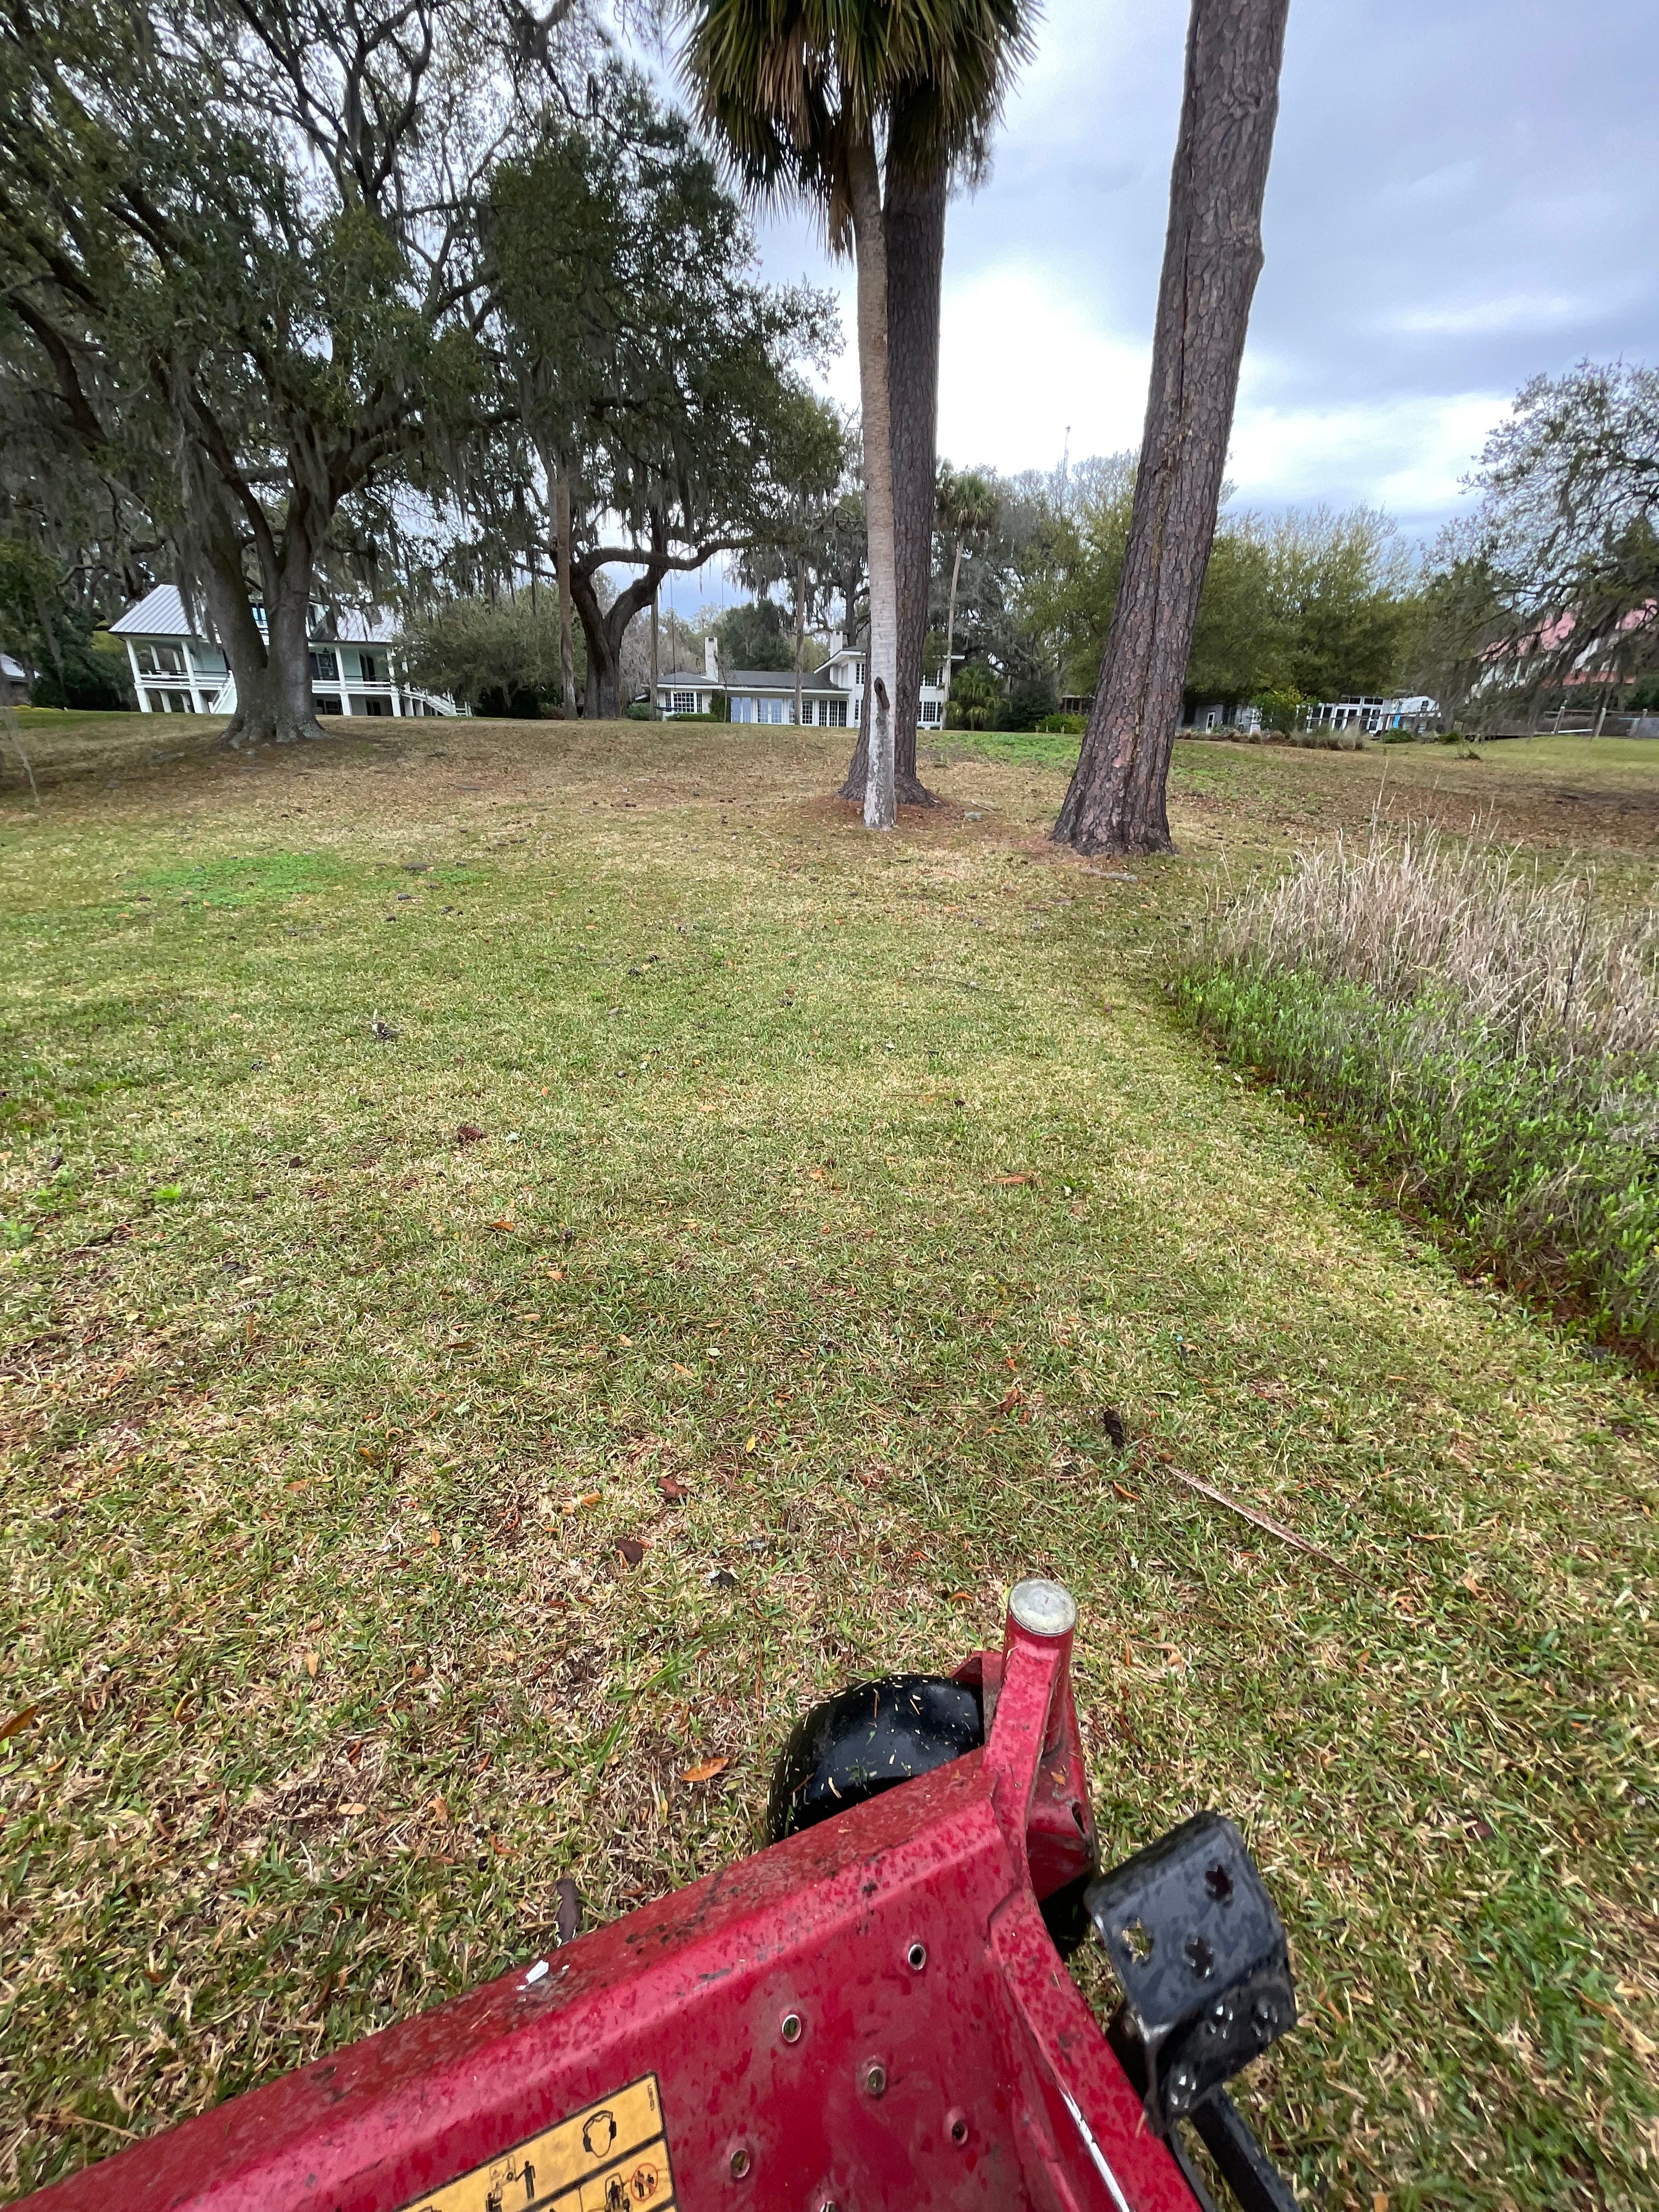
[1067, 725]
[1487, 1035]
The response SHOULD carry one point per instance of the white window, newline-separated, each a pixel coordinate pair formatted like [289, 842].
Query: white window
[328, 702]
[929, 713]
[157, 660]
[683, 703]
[325, 665]
[368, 668]
[774, 710]
[835, 714]
[743, 710]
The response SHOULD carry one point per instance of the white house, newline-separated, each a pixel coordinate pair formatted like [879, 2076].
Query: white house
[1417, 713]
[831, 697]
[177, 669]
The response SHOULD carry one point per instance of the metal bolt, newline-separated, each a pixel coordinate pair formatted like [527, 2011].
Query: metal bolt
[917, 1955]
[790, 2029]
[875, 2078]
[740, 2164]
[1043, 1608]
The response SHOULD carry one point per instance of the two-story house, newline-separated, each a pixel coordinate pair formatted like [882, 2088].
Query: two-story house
[178, 669]
[831, 697]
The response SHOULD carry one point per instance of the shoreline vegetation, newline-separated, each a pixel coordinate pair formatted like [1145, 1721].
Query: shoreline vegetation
[1484, 1031]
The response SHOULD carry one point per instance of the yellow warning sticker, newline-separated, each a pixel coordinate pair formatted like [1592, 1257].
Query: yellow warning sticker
[611, 2157]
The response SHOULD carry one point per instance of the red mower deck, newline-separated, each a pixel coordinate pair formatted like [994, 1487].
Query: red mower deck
[868, 2016]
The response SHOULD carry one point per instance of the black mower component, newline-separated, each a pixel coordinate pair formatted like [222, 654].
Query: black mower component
[1200, 1956]
[866, 1740]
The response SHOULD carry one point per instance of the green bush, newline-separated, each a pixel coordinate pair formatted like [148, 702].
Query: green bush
[1071, 725]
[640, 710]
[1489, 1040]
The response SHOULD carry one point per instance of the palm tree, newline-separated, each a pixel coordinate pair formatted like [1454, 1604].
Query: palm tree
[1212, 258]
[967, 508]
[817, 98]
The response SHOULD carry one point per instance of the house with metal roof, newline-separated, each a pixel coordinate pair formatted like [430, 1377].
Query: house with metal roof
[832, 696]
[178, 667]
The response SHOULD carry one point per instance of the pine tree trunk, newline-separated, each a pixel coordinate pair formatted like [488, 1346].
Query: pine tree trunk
[1212, 258]
[655, 655]
[881, 669]
[914, 226]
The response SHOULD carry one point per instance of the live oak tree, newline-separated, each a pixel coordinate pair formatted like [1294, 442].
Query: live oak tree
[236, 248]
[661, 415]
[866, 111]
[1212, 258]
[1553, 583]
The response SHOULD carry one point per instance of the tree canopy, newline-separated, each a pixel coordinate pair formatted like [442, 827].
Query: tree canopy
[649, 369]
[240, 277]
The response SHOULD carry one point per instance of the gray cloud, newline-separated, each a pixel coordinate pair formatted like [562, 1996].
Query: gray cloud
[1463, 193]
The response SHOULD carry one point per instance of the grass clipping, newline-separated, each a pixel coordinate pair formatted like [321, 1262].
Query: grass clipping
[1488, 1034]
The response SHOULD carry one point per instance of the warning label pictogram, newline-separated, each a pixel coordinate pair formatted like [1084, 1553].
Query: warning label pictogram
[612, 2156]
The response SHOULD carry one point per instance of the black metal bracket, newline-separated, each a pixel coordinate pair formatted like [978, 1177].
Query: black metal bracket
[1200, 1957]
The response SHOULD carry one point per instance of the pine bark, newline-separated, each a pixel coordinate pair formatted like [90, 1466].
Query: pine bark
[1212, 258]
[881, 674]
[913, 221]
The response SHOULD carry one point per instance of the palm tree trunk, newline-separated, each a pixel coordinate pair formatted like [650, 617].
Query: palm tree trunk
[1212, 258]
[800, 626]
[950, 622]
[561, 561]
[913, 223]
[870, 244]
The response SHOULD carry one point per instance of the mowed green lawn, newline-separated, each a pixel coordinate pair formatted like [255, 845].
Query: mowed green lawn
[431, 1160]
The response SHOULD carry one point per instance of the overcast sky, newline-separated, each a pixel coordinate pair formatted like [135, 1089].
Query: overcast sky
[1463, 192]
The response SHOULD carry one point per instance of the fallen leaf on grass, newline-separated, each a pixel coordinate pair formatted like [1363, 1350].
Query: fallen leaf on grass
[679, 1369]
[19, 1722]
[312, 1664]
[631, 1550]
[469, 1133]
[1112, 1421]
[502, 1223]
[1129, 1496]
[672, 1490]
[351, 1812]
[587, 1498]
[1009, 1182]
[706, 1771]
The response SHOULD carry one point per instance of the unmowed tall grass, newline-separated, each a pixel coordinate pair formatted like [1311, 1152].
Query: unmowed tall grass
[1488, 1032]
